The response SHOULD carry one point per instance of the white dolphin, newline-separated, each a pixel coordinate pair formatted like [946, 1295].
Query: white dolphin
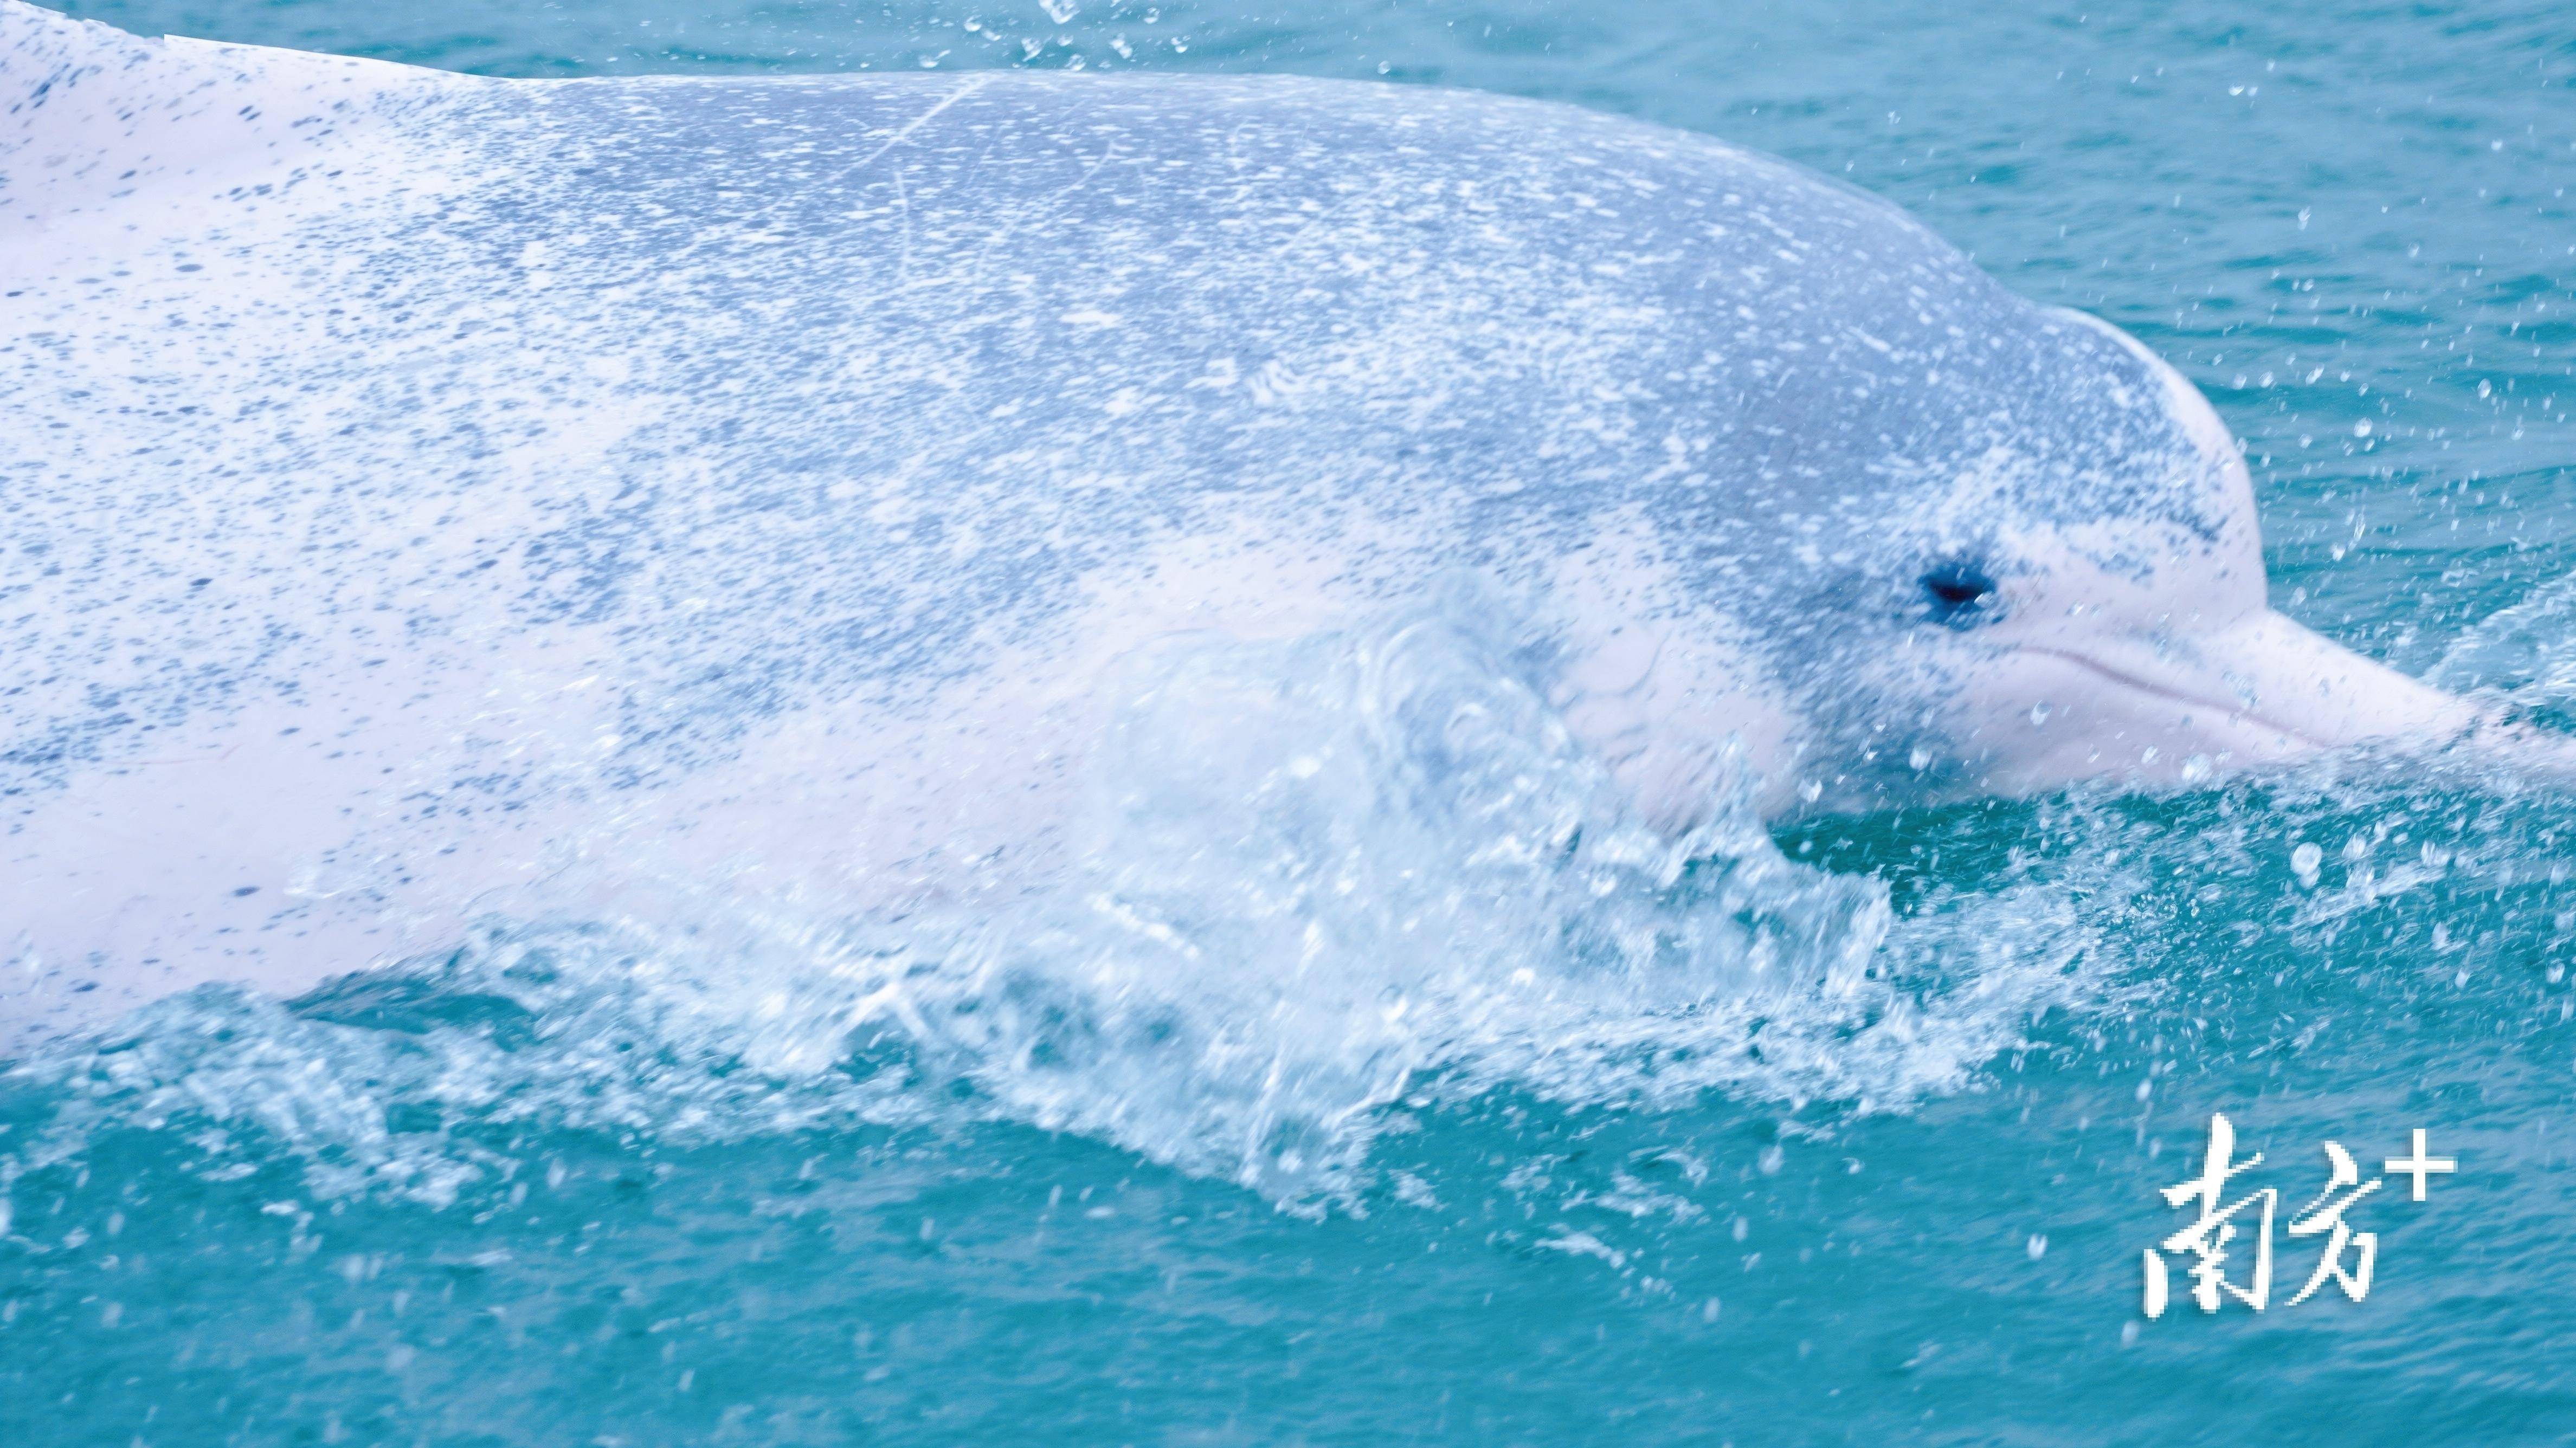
[421, 492]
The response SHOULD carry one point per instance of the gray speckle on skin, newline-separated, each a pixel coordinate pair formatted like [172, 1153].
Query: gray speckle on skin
[912, 360]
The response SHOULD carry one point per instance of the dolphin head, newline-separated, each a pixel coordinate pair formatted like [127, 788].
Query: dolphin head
[2094, 608]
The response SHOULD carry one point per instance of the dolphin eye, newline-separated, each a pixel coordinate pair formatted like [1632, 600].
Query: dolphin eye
[1955, 590]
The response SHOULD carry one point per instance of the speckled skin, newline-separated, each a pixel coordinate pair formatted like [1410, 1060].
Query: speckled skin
[415, 484]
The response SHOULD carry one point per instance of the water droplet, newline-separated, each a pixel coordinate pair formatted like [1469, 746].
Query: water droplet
[2304, 862]
[2037, 1246]
[2361, 428]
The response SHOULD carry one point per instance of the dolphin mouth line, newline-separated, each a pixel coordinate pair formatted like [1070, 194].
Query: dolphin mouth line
[2231, 710]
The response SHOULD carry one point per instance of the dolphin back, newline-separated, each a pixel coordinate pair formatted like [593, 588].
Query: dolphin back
[781, 390]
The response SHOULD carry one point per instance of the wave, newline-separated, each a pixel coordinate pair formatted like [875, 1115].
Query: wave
[1318, 881]
[2526, 651]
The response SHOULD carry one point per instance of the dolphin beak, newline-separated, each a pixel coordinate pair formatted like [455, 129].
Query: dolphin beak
[2260, 689]
[2271, 674]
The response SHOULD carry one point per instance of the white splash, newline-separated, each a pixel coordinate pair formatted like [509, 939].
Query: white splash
[1320, 875]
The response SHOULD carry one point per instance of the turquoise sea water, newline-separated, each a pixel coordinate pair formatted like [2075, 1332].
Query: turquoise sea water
[522, 1199]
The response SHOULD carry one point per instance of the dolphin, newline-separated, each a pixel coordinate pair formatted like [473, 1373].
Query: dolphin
[422, 492]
